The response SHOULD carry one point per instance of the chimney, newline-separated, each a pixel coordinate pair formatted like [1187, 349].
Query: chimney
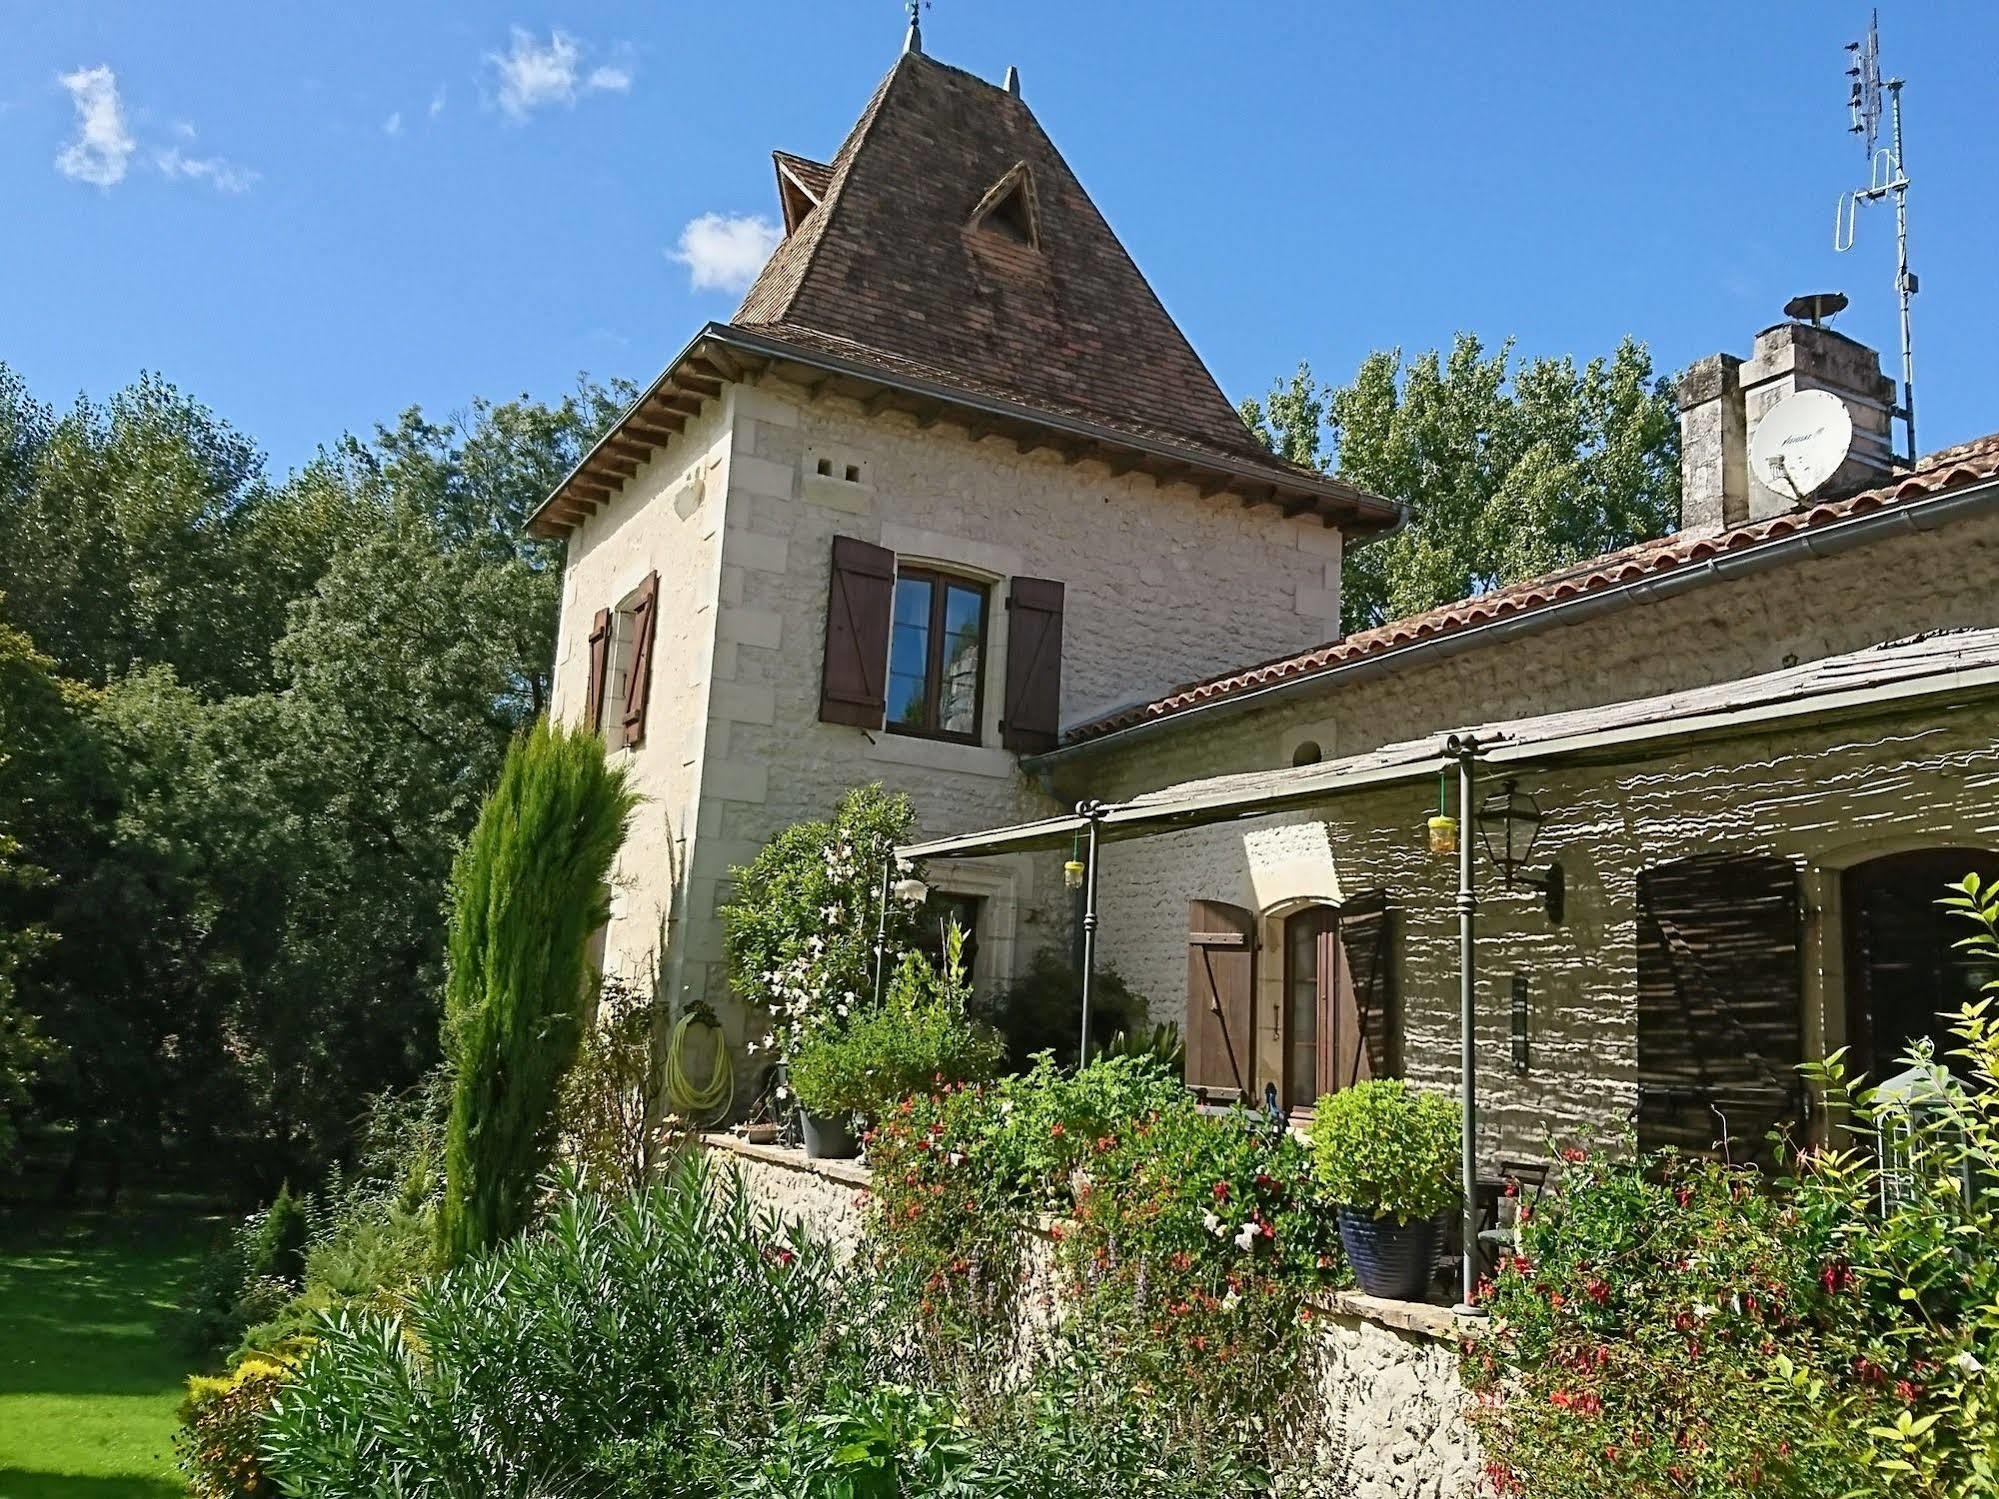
[1723, 400]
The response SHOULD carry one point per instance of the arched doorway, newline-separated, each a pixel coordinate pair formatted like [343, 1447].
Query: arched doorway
[1905, 974]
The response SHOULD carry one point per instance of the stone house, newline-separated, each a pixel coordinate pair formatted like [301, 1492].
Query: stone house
[949, 479]
[950, 503]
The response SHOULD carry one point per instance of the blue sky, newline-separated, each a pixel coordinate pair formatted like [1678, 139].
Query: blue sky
[313, 216]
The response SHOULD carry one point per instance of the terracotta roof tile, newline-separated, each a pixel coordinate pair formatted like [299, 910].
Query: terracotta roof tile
[1951, 468]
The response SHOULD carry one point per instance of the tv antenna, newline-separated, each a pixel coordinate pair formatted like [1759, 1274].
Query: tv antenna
[1886, 178]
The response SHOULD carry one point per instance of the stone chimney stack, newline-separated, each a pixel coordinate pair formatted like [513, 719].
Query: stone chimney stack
[1723, 400]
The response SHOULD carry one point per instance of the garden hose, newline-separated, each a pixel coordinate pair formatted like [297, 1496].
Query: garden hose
[712, 1099]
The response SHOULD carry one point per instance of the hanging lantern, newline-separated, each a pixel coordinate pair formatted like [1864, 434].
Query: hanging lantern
[1074, 870]
[1443, 834]
[1509, 821]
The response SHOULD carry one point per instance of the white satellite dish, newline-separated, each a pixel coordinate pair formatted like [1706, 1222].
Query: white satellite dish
[1801, 442]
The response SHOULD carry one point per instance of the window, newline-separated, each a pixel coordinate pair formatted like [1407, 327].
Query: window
[937, 646]
[621, 663]
[1305, 965]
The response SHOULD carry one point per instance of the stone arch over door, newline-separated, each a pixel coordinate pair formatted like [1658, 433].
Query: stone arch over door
[1720, 973]
[1904, 975]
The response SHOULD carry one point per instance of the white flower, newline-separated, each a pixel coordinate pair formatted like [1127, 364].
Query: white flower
[956, 1158]
[1968, 1362]
[1703, 1310]
[1246, 1240]
[1211, 1223]
[783, 1091]
[1229, 1301]
[1006, 1107]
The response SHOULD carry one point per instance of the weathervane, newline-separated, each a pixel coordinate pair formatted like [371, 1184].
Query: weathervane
[914, 41]
[1885, 178]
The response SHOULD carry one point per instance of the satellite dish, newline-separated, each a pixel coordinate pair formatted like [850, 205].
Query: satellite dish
[1801, 442]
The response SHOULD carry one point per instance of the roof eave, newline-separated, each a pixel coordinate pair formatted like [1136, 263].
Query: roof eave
[1359, 515]
[1855, 530]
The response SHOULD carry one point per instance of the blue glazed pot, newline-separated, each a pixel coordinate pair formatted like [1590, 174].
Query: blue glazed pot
[1392, 1260]
[829, 1139]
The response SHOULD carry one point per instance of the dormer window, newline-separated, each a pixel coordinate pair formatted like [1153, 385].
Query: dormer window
[1008, 210]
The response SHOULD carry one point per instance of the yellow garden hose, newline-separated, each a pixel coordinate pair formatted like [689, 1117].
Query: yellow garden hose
[711, 1100]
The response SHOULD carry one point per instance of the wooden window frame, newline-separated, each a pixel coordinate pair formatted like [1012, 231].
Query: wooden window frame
[941, 582]
[1328, 918]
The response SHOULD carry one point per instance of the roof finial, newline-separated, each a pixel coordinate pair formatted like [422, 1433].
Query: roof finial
[914, 41]
[1013, 81]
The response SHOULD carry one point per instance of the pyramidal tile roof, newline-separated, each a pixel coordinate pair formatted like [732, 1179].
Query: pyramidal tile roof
[913, 259]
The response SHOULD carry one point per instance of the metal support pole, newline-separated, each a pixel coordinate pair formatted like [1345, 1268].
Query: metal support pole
[1905, 284]
[1094, 811]
[881, 922]
[1466, 750]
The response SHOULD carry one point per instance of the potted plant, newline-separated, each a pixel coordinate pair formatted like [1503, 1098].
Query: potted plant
[1388, 1155]
[828, 1077]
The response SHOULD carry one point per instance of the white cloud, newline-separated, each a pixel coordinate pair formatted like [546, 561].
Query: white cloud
[724, 252]
[437, 102]
[103, 146]
[533, 73]
[222, 175]
[393, 125]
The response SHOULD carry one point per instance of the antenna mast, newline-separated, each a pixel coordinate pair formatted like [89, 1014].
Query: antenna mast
[1885, 178]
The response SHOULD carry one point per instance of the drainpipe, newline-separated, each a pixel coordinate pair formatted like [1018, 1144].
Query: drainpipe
[1094, 811]
[1465, 750]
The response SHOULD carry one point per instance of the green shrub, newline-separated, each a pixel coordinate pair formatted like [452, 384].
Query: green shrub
[800, 928]
[1042, 1010]
[527, 891]
[1387, 1149]
[920, 1039]
[222, 1426]
[545, 1365]
[612, 1130]
[248, 1275]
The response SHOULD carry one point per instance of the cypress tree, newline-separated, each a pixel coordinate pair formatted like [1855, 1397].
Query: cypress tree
[527, 892]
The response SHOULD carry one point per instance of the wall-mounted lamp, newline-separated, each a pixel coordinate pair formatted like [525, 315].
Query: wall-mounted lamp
[1508, 823]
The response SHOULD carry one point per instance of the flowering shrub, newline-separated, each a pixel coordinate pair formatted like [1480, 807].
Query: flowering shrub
[1635, 1333]
[1384, 1148]
[921, 1038]
[800, 930]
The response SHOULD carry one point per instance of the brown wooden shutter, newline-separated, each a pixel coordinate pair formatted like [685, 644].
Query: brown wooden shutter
[638, 682]
[1032, 718]
[1720, 1002]
[600, 663]
[1221, 986]
[1365, 1025]
[853, 685]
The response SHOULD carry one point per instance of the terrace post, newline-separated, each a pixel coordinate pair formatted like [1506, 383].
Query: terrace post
[1465, 750]
[1094, 811]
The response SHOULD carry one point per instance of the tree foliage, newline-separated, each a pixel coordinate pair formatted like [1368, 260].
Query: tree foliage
[248, 722]
[1509, 468]
[527, 893]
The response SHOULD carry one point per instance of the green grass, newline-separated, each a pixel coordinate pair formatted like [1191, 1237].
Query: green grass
[90, 1372]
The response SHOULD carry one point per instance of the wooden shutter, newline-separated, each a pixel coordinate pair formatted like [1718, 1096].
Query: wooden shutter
[638, 681]
[600, 663]
[1720, 1003]
[853, 685]
[1032, 719]
[1221, 985]
[1365, 1023]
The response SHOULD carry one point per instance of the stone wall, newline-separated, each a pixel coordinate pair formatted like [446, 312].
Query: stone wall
[1825, 798]
[1161, 583]
[1396, 1410]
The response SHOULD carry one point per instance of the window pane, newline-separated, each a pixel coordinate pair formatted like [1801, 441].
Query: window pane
[909, 653]
[964, 615]
[1301, 1007]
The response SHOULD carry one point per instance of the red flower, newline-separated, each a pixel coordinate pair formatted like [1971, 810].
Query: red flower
[1836, 1277]
[1221, 1191]
[784, 1258]
[1056, 1131]
[1683, 1194]
[1575, 1155]
[1598, 1291]
[1056, 1232]
[1906, 1392]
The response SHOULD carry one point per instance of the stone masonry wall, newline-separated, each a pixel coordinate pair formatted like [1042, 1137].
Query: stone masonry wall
[1397, 1412]
[1159, 583]
[1825, 798]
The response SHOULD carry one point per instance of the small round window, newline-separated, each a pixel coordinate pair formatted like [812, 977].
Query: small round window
[1307, 753]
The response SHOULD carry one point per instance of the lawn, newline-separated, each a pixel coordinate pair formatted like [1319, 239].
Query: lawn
[90, 1372]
